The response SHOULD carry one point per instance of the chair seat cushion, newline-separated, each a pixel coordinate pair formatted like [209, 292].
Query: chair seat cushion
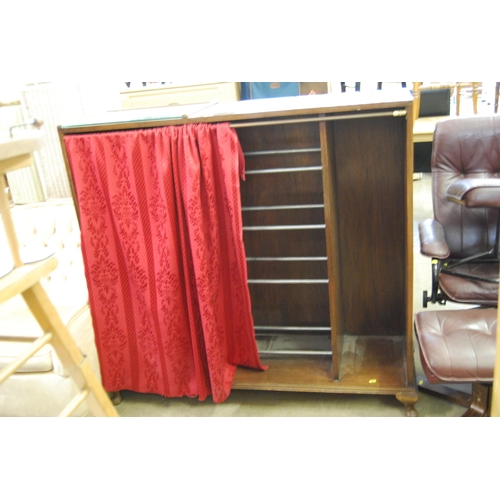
[458, 346]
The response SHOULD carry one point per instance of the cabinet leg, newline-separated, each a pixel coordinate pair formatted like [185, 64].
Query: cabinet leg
[116, 397]
[409, 400]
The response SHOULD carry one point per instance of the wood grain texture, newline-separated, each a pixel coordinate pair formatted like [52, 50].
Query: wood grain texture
[370, 192]
[294, 269]
[332, 243]
[290, 304]
[370, 365]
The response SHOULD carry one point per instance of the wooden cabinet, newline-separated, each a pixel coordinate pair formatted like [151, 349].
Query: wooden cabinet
[327, 213]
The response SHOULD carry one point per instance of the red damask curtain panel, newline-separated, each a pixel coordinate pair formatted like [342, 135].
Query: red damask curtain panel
[162, 242]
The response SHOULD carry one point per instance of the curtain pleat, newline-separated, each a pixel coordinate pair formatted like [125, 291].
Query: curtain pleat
[162, 242]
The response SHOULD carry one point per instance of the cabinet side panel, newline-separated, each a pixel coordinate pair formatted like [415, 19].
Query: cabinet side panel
[332, 245]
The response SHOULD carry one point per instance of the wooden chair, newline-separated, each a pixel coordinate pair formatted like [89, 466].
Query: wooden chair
[24, 279]
[459, 87]
[344, 86]
[462, 89]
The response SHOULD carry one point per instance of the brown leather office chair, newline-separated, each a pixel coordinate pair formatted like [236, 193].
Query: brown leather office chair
[462, 238]
[459, 347]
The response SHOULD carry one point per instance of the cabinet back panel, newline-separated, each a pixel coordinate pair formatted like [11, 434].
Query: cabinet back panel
[302, 269]
[290, 305]
[370, 192]
[275, 137]
[288, 160]
[283, 217]
[294, 188]
[301, 243]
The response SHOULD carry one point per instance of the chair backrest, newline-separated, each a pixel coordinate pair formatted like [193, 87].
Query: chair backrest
[51, 227]
[465, 148]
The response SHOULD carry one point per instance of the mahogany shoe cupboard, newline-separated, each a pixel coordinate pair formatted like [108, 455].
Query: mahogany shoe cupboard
[327, 215]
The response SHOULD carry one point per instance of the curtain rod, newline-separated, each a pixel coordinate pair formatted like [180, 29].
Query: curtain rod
[396, 113]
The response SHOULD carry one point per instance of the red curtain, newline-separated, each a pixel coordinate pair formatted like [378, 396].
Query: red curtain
[162, 242]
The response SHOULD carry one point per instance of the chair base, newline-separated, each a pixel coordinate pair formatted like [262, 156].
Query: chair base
[480, 401]
[469, 283]
[477, 403]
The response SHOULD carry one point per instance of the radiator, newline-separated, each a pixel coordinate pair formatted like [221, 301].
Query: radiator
[24, 184]
[54, 104]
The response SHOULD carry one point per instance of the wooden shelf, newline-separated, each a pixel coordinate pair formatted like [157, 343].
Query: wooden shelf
[370, 365]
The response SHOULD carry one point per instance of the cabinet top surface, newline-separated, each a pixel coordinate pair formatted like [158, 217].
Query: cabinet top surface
[242, 110]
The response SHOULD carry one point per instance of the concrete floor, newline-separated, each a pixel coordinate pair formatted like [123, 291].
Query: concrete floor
[282, 404]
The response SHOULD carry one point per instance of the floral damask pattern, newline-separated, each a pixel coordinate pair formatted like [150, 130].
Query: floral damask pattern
[162, 241]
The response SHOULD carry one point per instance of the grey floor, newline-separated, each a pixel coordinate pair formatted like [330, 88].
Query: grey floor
[284, 404]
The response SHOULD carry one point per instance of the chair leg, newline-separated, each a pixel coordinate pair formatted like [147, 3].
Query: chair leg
[416, 99]
[480, 401]
[497, 93]
[475, 95]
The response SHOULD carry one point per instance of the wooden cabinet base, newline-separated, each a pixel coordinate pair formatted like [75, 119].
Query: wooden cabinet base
[369, 365]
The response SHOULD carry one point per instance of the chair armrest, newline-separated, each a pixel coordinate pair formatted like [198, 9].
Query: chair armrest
[432, 239]
[480, 193]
